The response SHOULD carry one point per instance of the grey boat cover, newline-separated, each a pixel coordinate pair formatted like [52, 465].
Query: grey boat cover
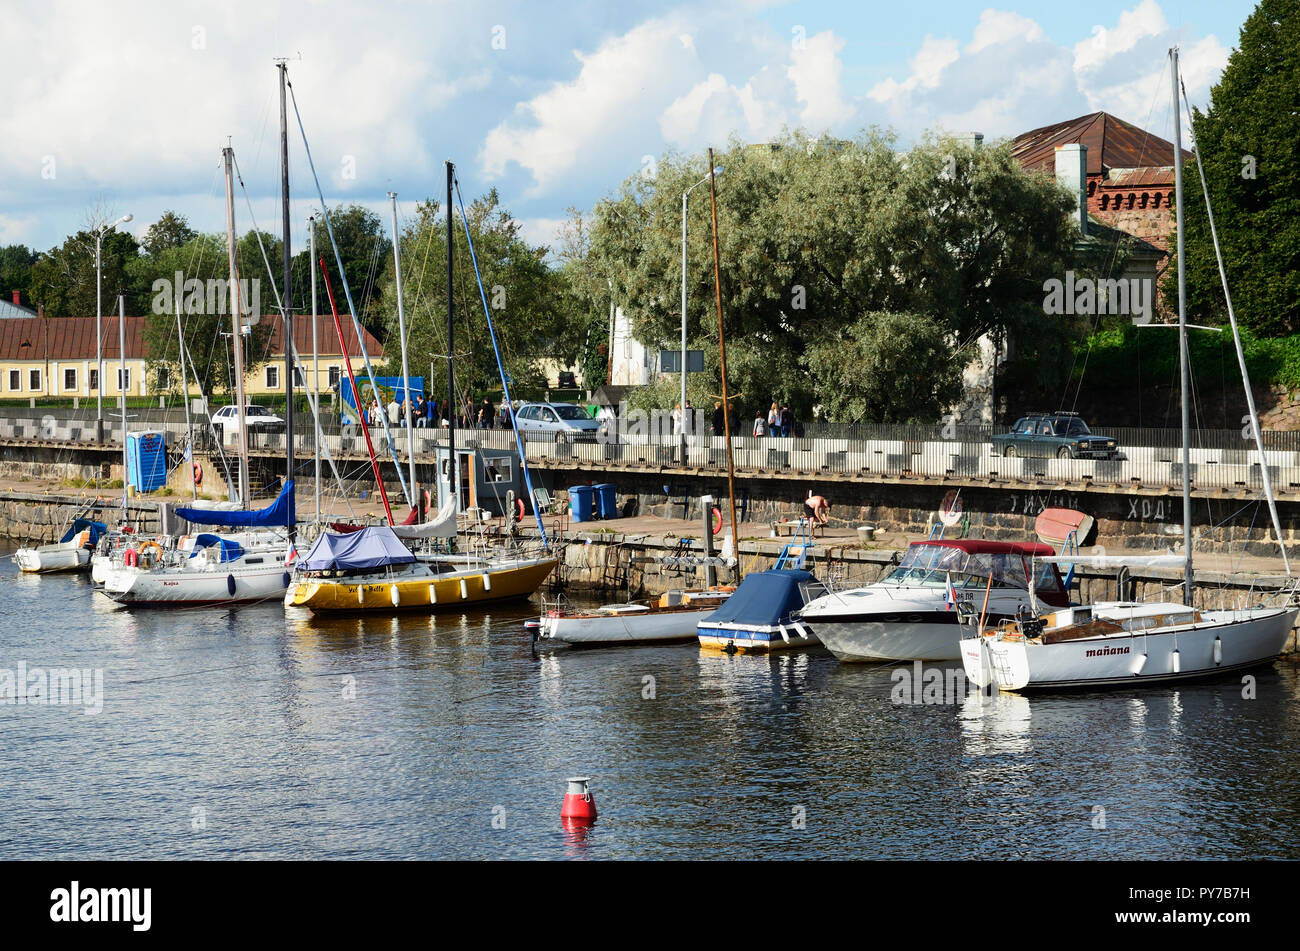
[372, 547]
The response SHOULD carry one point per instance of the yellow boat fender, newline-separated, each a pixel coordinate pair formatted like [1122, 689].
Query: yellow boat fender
[487, 582]
[361, 594]
[433, 594]
[395, 595]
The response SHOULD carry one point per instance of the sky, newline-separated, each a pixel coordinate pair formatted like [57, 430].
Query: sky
[124, 107]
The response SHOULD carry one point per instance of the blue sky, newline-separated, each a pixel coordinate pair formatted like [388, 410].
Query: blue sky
[116, 108]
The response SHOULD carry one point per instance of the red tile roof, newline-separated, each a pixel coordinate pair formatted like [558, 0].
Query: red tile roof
[73, 338]
[1111, 142]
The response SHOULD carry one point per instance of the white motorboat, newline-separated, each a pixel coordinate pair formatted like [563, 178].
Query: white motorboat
[672, 617]
[70, 553]
[912, 613]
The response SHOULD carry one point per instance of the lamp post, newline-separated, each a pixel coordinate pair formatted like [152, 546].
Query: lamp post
[685, 194]
[99, 333]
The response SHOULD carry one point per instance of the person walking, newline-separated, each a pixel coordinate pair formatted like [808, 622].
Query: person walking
[677, 419]
[787, 421]
[760, 427]
[718, 421]
[774, 421]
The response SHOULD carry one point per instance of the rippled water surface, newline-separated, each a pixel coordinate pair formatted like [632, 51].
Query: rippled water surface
[257, 732]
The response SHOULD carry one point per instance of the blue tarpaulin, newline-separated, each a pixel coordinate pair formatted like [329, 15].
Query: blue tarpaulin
[372, 547]
[279, 512]
[80, 525]
[230, 551]
[764, 598]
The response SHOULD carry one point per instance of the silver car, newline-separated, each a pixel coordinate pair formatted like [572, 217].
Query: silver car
[569, 422]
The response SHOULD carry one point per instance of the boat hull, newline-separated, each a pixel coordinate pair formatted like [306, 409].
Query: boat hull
[874, 642]
[624, 628]
[1245, 639]
[426, 591]
[49, 559]
[139, 587]
[754, 639]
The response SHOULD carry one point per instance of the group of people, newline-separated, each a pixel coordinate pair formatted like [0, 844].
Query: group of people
[778, 422]
[426, 413]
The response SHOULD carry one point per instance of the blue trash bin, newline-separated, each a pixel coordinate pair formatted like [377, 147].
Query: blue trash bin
[606, 500]
[581, 498]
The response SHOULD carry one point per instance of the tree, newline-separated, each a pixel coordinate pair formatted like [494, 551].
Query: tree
[16, 262]
[169, 231]
[1246, 140]
[527, 298]
[366, 251]
[63, 278]
[820, 235]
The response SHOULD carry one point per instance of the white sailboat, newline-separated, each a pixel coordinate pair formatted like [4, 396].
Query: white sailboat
[1122, 642]
[70, 553]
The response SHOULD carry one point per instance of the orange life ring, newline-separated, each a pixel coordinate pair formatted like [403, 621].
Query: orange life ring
[151, 544]
[198, 474]
[519, 504]
[717, 520]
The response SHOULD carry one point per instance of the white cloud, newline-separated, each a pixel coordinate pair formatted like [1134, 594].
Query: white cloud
[1010, 77]
[815, 72]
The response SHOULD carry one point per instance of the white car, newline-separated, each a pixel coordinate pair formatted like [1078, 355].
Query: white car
[567, 421]
[258, 419]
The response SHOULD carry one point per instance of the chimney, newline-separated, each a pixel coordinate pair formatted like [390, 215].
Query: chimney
[1072, 172]
[17, 298]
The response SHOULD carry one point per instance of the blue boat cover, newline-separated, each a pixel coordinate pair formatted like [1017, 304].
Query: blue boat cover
[279, 512]
[764, 598]
[230, 551]
[79, 525]
[372, 547]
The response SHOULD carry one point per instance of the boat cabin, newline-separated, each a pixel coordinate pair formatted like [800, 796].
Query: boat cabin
[489, 478]
[971, 563]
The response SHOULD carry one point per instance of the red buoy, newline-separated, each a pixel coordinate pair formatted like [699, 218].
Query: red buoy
[579, 806]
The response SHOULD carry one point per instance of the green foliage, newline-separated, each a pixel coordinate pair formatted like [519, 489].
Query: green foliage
[64, 277]
[529, 305]
[169, 231]
[16, 262]
[1247, 141]
[820, 235]
[367, 253]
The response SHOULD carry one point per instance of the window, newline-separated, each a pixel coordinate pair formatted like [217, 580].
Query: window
[272, 377]
[335, 373]
[69, 379]
[298, 379]
[164, 378]
[497, 470]
[33, 380]
[15, 380]
[123, 380]
[94, 379]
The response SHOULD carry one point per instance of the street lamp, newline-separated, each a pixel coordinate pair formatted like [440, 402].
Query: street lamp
[716, 171]
[99, 333]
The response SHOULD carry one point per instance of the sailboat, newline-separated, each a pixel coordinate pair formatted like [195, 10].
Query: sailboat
[206, 567]
[374, 569]
[1125, 642]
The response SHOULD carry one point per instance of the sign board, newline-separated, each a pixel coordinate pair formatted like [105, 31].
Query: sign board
[390, 388]
[670, 361]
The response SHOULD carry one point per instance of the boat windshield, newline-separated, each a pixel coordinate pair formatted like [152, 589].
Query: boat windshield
[932, 565]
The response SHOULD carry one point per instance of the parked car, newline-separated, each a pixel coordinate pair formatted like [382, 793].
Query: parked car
[567, 421]
[258, 419]
[1063, 435]
[568, 380]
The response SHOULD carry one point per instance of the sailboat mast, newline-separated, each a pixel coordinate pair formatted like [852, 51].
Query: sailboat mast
[453, 471]
[237, 328]
[315, 351]
[401, 332]
[287, 306]
[722, 348]
[121, 386]
[185, 401]
[1182, 338]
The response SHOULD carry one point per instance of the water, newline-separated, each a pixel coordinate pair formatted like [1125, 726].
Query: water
[261, 733]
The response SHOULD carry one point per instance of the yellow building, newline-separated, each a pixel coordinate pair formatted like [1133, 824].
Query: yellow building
[46, 357]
